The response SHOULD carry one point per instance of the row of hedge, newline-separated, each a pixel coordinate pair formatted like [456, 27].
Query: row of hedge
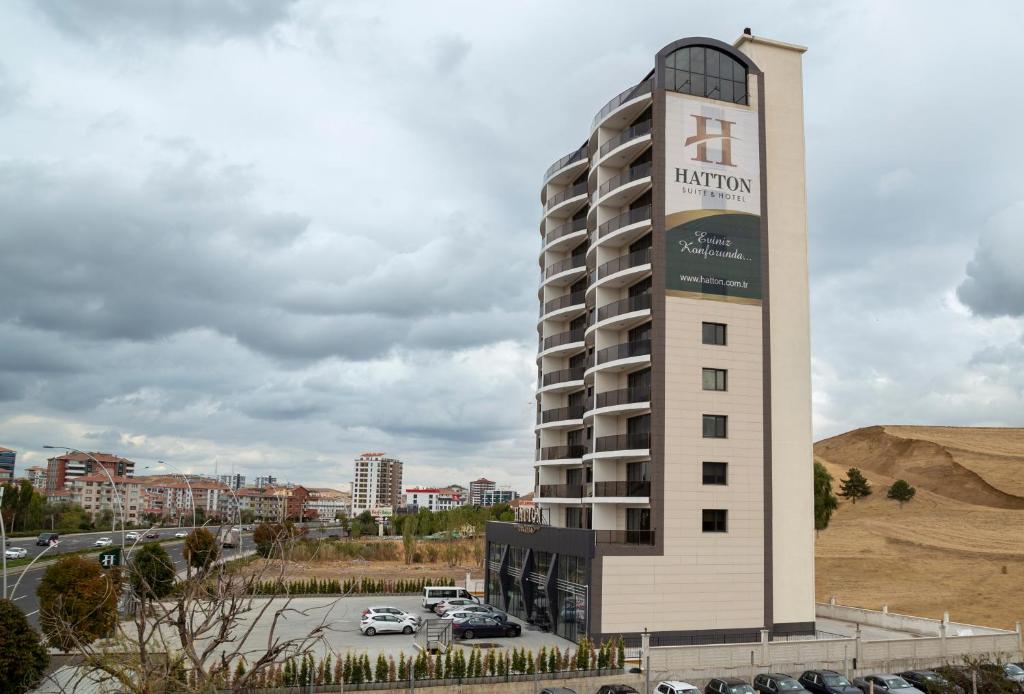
[348, 586]
[307, 671]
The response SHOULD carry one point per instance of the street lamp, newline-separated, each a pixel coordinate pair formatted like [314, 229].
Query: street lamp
[184, 477]
[117, 494]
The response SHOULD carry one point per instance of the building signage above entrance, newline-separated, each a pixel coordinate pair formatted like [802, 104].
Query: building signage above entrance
[531, 515]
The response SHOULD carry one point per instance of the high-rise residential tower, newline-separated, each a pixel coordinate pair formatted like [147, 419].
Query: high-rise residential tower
[376, 482]
[7, 458]
[673, 440]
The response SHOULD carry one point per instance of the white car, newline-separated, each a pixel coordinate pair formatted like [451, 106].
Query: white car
[103, 542]
[454, 603]
[132, 535]
[394, 611]
[16, 553]
[373, 624]
[181, 534]
[676, 687]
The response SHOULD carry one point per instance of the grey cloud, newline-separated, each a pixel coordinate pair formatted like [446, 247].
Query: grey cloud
[994, 285]
[451, 52]
[97, 19]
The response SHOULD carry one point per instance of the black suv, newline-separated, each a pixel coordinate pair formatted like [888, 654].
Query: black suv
[930, 681]
[728, 685]
[45, 539]
[774, 682]
[827, 682]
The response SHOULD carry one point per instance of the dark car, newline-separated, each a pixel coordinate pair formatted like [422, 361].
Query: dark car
[826, 682]
[152, 535]
[45, 539]
[484, 626]
[930, 681]
[616, 689]
[557, 690]
[774, 682]
[728, 685]
[885, 684]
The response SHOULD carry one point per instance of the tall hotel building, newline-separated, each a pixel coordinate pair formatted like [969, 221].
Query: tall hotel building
[673, 464]
[376, 482]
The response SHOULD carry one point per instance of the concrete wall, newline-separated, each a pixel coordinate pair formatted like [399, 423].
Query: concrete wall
[922, 626]
[580, 685]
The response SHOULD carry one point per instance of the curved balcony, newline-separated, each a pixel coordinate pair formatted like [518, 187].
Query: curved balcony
[561, 343]
[622, 446]
[567, 234]
[624, 313]
[567, 202]
[624, 270]
[625, 106]
[560, 417]
[562, 380]
[566, 307]
[621, 489]
[624, 229]
[565, 455]
[565, 271]
[625, 146]
[622, 356]
[618, 190]
[564, 491]
[622, 401]
[571, 163]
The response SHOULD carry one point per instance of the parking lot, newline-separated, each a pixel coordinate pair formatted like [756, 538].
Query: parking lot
[341, 618]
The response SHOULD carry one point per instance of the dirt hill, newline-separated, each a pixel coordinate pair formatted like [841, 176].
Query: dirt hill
[958, 546]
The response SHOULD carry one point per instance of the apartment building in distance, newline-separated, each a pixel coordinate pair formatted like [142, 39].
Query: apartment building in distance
[327, 504]
[62, 468]
[376, 482]
[432, 498]
[235, 482]
[169, 496]
[36, 474]
[94, 494]
[477, 489]
[673, 439]
[7, 457]
[498, 496]
[265, 481]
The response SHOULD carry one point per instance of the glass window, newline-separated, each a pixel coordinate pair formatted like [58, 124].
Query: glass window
[715, 426]
[714, 520]
[713, 379]
[706, 72]
[713, 333]
[715, 473]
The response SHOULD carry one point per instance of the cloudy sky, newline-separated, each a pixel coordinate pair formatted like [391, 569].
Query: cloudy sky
[271, 235]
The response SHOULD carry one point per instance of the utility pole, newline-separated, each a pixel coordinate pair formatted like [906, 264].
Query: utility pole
[3, 539]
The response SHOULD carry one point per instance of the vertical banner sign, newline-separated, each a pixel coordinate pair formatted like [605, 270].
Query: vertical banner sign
[712, 200]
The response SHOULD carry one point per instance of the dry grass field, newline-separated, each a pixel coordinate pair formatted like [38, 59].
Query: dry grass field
[958, 546]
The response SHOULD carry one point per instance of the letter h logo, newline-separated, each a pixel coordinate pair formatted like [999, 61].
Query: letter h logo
[702, 136]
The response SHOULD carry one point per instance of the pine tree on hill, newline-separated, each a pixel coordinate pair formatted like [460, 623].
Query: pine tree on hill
[901, 491]
[855, 486]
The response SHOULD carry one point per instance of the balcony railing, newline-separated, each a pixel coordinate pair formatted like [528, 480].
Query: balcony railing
[623, 396]
[570, 192]
[560, 414]
[622, 488]
[637, 348]
[622, 442]
[565, 491]
[570, 227]
[640, 214]
[644, 87]
[634, 174]
[570, 158]
[566, 338]
[624, 262]
[637, 131]
[563, 301]
[563, 376]
[561, 452]
[624, 537]
[569, 263]
[639, 302]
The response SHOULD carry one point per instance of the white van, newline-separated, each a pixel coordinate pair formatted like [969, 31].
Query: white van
[435, 594]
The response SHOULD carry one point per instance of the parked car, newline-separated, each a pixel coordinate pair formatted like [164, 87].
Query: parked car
[103, 542]
[826, 682]
[132, 535]
[676, 687]
[929, 681]
[774, 682]
[181, 533]
[15, 552]
[435, 594]
[616, 689]
[883, 684]
[448, 604]
[45, 539]
[393, 611]
[475, 611]
[152, 535]
[373, 624]
[728, 685]
[557, 690]
[1014, 673]
[484, 626]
